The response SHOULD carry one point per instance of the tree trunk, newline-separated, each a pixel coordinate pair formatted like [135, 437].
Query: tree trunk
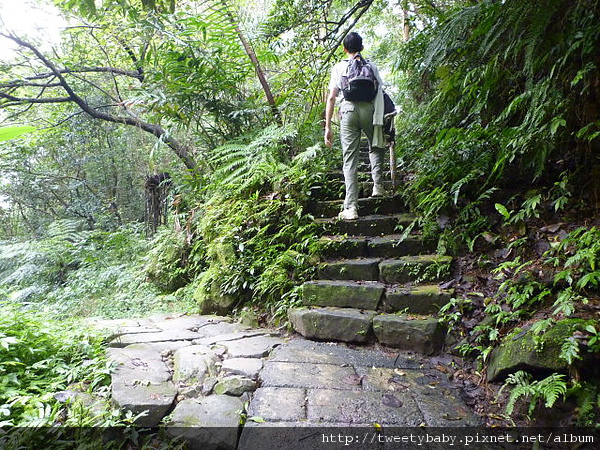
[259, 72]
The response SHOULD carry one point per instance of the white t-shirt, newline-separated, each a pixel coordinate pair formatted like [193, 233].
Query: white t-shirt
[341, 68]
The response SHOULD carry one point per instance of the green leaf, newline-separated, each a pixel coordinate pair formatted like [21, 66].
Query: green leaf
[8, 133]
[502, 210]
[256, 419]
[557, 122]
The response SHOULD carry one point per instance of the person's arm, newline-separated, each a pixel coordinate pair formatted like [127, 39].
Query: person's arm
[329, 107]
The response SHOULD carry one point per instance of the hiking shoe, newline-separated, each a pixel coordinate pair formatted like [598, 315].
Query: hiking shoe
[348, 214]
[378, 191]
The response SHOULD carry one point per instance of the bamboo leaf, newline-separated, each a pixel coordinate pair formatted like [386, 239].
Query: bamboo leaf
[8, 133]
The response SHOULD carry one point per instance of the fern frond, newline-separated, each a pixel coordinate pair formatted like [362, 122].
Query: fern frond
[569, 351]
[550, 389]
[239, 164]
[71, 230]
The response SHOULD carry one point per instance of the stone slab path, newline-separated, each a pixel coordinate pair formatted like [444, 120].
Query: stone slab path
[195, 374]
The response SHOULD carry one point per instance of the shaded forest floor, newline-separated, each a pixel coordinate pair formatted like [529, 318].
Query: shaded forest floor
[478, 279]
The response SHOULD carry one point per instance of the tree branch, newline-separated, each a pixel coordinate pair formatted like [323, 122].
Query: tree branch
[21, 100]
[252, 55]
[180, 150]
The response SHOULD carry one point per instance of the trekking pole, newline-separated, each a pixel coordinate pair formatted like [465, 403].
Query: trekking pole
[390, 135]
[393, 171]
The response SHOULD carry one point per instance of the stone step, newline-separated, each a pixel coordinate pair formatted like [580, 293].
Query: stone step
[405, 269]
[333, 324]
[417, 334]
[372, 225]
[335, 189]
[415, 269]
[420, 299]
[394, 246]
[366, 206]
[344, 294]
[351, 269]
[389, 246]
[367, 186]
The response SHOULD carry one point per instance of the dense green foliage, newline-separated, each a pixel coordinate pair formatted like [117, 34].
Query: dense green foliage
[40, 358]
[506, 95]
[497, 129]
[74, 272]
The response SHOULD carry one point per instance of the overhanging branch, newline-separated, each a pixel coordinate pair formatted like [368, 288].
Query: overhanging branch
[58, 74]
[21, 100]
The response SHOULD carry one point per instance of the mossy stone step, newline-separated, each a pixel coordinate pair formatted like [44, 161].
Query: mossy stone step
[333, 324]
[335, 189]
[405, 269]
[344, 294]
[373, 225]
[415, 269]
[344, 246]
[351, 269]
[390, 246]
[418, 334]
[422, 299]
[366, 206]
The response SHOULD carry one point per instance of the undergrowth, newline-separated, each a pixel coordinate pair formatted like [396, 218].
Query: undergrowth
[535, 296]
[41, 357]
[81, 273]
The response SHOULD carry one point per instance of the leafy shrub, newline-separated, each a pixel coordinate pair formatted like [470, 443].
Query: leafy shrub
[81, 273]
[39, 357]
[166, 260]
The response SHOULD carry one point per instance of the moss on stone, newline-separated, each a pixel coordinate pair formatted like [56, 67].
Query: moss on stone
[521, 349]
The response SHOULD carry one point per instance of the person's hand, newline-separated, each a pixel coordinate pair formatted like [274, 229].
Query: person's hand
[328, 137]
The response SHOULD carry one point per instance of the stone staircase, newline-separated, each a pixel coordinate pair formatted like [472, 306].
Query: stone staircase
[373, 284]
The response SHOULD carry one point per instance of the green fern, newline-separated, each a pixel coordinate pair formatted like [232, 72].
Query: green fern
[242, 165]
[549, 390]
[67, 229]
[588, 400]
[569, 350]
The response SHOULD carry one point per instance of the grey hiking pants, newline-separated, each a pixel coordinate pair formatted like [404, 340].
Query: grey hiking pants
[356, 117]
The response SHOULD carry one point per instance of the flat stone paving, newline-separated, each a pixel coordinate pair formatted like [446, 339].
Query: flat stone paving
[291, 382]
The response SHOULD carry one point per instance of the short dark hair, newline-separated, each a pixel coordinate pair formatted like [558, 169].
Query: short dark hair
[353, 42]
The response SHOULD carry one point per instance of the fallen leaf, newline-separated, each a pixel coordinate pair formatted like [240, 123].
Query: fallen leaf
[447, 284]
[449, 417]
[256, 419]
[391, 401]
[552, 228]
[442, 369]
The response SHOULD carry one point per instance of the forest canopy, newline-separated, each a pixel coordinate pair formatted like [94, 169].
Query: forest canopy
[227, 99]
[160, 155]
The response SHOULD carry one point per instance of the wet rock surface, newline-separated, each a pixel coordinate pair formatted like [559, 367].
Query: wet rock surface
[202, 391]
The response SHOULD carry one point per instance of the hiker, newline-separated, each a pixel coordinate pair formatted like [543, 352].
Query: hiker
[361, 110]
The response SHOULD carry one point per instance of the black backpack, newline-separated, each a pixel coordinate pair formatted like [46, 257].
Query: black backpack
[359, 84]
